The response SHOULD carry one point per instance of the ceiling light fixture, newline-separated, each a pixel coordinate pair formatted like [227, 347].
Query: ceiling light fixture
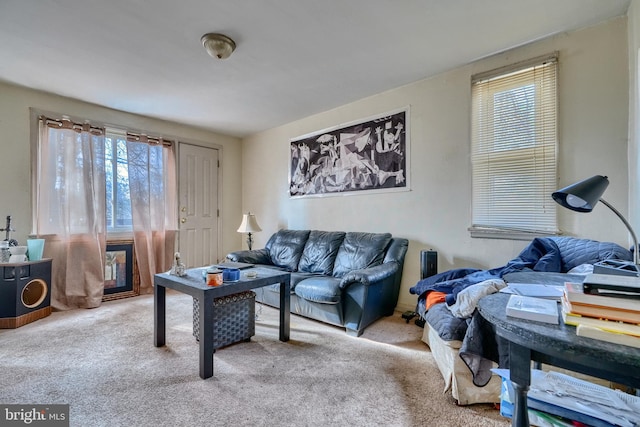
[218, 45]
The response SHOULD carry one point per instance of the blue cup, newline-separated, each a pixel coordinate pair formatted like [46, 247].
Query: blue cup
[35, 248]
[230, 274]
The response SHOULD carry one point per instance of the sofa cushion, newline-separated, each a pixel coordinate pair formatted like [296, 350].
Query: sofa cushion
[296, 277]
[321, 289]
[320, 252]
[360, 250]
[285, 248]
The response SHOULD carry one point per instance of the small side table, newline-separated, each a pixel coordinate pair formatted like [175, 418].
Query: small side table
[194, 285]
[25, 292]
[556, 345]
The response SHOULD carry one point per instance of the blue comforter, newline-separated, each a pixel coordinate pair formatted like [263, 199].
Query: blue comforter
[479, 345]
[551, 254]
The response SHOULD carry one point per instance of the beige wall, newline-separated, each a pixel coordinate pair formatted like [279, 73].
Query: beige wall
[594, 100]
[436, 212]
[15, 172]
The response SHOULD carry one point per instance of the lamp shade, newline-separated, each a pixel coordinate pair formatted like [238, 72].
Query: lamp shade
[249, 224]
[582, 196]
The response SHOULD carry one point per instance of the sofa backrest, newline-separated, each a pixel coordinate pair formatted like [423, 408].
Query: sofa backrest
[320, 252]
[360, 250]
[331, 253]
[285, 248]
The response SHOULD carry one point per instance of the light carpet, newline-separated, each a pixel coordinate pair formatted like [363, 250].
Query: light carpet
[102, 362]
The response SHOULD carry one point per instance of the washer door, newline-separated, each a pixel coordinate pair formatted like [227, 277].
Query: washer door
[34, 293]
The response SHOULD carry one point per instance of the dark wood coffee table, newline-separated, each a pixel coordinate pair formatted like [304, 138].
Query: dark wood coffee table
[193, 284]
[556, 345]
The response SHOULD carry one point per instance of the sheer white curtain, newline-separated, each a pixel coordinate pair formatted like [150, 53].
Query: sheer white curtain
[71, 208]
[152, 185]
[70, 211]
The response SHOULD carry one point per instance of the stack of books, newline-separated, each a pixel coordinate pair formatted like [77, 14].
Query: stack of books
[604, 308]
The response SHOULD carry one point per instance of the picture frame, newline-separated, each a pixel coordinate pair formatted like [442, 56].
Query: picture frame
[121, 278]
[367, 155]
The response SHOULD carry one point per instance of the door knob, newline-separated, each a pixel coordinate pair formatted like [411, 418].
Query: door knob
[183, 220]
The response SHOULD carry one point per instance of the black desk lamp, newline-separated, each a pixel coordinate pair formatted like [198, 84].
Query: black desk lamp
[583, 196]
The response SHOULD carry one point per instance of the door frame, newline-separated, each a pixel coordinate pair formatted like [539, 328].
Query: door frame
[219, 227]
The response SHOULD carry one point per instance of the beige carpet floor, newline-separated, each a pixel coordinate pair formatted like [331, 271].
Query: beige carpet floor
[102, 362]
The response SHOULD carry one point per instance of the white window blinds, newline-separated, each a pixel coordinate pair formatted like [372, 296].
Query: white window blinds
[514, 144]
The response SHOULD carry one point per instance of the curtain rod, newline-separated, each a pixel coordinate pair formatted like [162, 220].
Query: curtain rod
[66, 123]
[148, 139]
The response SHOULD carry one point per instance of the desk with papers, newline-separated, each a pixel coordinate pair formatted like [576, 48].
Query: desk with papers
[556, 345]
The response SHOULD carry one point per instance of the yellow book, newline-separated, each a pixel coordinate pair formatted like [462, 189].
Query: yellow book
[602, 312]
[612, 337]
[607, 325]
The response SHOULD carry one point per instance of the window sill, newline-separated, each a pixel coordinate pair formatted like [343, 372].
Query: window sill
[497, 233]
[119, 235]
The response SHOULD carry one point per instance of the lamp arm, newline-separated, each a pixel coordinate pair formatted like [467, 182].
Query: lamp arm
[626, 223]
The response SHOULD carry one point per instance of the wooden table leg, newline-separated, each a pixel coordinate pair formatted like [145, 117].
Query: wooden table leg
[159, 311]
[206, 335]
[520, 374]
[285, 309]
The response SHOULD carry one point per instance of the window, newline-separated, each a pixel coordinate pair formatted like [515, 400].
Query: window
[92, 185]
[88, 173]
[118, 207]
[513, 150]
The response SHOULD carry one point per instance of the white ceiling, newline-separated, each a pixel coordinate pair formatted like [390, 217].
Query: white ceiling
[294, 58]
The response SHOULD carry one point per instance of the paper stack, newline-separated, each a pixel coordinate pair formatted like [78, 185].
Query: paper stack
[531, 308]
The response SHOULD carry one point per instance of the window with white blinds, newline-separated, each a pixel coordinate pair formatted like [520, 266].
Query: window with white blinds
[513, 150]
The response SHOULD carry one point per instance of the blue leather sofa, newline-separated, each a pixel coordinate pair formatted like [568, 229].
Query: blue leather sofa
[347, 279]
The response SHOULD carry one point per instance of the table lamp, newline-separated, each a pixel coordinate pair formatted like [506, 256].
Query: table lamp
[249, 225]
[584, 195]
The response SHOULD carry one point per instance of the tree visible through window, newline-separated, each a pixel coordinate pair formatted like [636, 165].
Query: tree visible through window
[90, 181]
[106, 164]
[118, 208]
[514, 143]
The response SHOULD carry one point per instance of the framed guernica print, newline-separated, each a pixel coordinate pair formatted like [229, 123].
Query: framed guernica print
[368, 155]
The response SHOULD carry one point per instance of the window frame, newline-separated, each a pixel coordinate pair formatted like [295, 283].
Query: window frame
[116, 135]
[532, 158]
[118, 233]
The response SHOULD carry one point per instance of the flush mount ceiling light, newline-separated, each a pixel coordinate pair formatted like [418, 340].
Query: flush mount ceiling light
[218, 45]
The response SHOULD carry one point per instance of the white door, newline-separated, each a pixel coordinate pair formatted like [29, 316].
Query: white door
[198, 195]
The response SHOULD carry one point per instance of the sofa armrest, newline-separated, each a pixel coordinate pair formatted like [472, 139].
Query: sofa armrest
[369, 276]
[255, 256]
